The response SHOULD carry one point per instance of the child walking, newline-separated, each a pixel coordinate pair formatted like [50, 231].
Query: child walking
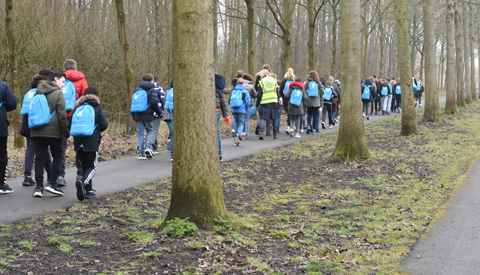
[86, 147]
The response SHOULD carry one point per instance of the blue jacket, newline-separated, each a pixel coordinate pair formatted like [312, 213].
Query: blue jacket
[161, 99]
[9, 104]
[152, 102]
[246, 100]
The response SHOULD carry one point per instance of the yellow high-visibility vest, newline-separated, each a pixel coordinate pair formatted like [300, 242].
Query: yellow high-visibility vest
[269, 87]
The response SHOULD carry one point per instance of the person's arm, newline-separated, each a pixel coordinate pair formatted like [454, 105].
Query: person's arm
[102, 120]
[9, 99]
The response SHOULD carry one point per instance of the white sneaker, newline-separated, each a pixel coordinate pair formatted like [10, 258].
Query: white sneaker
[291, 132]
[297, 135]
[288, 130]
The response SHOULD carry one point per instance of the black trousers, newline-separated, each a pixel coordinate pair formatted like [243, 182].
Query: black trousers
[3, 160]
[42, 144]
[89, 162]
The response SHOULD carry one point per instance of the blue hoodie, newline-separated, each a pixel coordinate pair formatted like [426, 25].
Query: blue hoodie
[372, 90]
[246, 102]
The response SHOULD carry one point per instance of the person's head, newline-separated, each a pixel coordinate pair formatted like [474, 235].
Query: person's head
[240, 81]
[298, 79]
[91, 91]
[58, 78]
[314, 76]
[46, 72]
[289, 74]
[331, 78]
[240, 74]
[148, 77]
[329, 83]
[155, 79]
[372, 78]
[248, 77]
[266, 67]
[264, 72]
[69, 64]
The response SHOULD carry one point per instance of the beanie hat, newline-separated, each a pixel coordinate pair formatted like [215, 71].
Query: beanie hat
[91, 91]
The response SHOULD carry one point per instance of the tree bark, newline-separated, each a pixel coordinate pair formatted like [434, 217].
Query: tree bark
[432, 106]
[16, 118]
[196, 180]
[215, 30]
[311, 35]
[450, 105]
[465, 75]
[284, 19]
[333, 69]
[473, 88]
[459, 55]
[409, 120]
[251, 35]
[127, 71]
[365, 44]
[351, 142]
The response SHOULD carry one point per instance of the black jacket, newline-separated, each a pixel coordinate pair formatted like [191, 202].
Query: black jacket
[91, 143]
[9, 104]
[152, 101]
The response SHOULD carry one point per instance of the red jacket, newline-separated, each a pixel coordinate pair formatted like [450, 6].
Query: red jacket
[80, 83]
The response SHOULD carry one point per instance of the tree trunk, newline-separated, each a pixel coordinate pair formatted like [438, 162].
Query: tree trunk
[196, 180]
[251, 35]
[16, 118]
[414, 44]
[311, 35]
[432, 106]
[333, 69]
[450, 105]
[127, 71]
[382, 42]
[215, 30]
[409, 120]
[473, 88]
[288, 9]
[365, 44]
[351, 142]
[459, 55]
[465, 78]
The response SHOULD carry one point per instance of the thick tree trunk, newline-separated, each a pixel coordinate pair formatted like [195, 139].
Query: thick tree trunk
[459, 55]
[288, 9]
[365, 44]
[409, 120]
[333, 69]
[251, 35]
[196, 180]
[432, 107]
[351, 142]
[473, 88]
[451, 104]
[127, 71]
[215, 30]
[413, 54]
[465, 78]
[311, 35]
[16, 118]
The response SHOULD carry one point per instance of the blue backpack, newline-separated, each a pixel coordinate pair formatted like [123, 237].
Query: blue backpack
[312, 89]
[236, 99]
[169, 100]
[26, 101]
[83, 121]
[398, 90]
[296, 97]
[287, 88]
[39, 112]
[69, 95]
[139, 101]
[384, 91]
[366, 92]
[328, 93]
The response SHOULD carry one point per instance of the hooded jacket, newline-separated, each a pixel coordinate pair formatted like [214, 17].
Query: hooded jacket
[91, 143]
[313, 101]
[80, 83]
[372, 90]
[147, 116]
[9, 104]
[242, 109]
[58, 125]
[292, 109]
[220, 101]
[24, 130]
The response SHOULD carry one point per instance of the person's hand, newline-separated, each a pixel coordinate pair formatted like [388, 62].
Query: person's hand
[226, 120]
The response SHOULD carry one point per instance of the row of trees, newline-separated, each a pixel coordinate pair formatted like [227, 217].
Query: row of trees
[185, 40]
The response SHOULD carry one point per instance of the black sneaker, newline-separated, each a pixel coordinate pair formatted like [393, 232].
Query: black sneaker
[28, 181]
[260, 137]
[80, 190]
[221, 158]
[54, 190]
[148, 153]
[257, 130]
[323, 125]
[90, 195]
[61, 181]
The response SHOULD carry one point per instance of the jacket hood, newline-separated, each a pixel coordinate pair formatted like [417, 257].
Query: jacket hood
[296, 83]
[47, 86]
[219, 81]
[36, 80]
[90, 99]
[146, 85]
[239, 87]
[74, 75]
[368, 82]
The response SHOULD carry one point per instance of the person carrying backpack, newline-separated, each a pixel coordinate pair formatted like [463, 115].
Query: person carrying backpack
[86, 147]
[144, 119]
[239, 100]
[267, 102]
[296, 95]
[384, 92]
[284, 87]
[397, 93]
[8, 102]
[50, 135]
[367, 91]
[168, 118]
[328, 94]
[157, 118]
[253, 95]
[314, 90]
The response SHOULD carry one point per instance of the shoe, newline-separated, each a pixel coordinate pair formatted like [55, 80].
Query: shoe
[221, 158]
[330, 126]
[368, 117]
[274, 135]
[90, 195]
[80, 190]
[38, 192]
[248, 137]
[399, 110]
[314, 132]
[336, 120]
[288, 130]
[171, 160]
[309, 131]
[233, 133]
[257, 130]
[149, 153]
[141, 156]
[291, 132]
[54, 190]
[236, 140]
[323, 125]
[28, 181]
[297, 135]
[5, 189]
[388, 113]
[363, 114]
[243, 134]
[260, 137]
[240, 137]
[61, 181]
[419, 105]
[78, 177]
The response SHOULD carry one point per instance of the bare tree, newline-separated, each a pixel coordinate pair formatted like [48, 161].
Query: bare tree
[459, 55]
[251, 34]
[351, 142]
[196, 180]
[450, 105]
[409, 120]
[432, 107]
[463, 77]
[473, 88]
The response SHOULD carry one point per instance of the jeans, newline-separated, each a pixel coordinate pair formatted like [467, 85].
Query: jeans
[327, 108]
[334, 112]
[276, 123]
[389, 103]
[141, 127]
[398, 98]
[313, 113]
[220, 150]
[170, 132]
[41, 155]
[247, 121]
[239, 123]
[366, 106]
[156, 125]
